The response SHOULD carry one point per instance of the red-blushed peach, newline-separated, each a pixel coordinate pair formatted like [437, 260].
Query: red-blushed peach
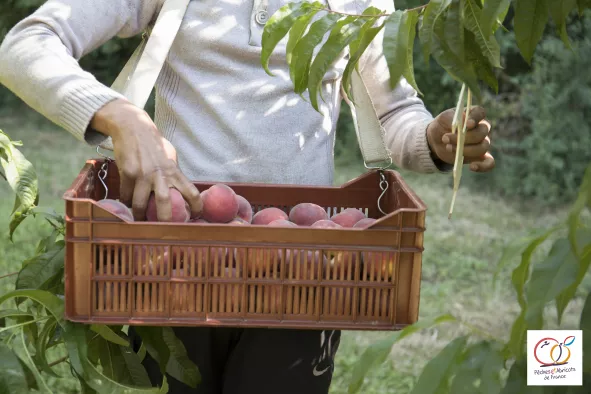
[326, 224]
[117, 208]
[244, 209]
[219, 204]
[282, 223]
[364, 223]
[267, 215]
[181, 212]
[239, 220]
[304, 265]
[306, 214]
[151, 260]
[348, 217]
[382, 263]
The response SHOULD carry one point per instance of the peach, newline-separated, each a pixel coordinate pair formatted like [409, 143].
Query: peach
[306, 214]
[219, 204]
[255, 260]
[244, 209]
[305, 264]
[181, 211]
[117, 208]
[326, 224]
[200, 220]
[378, 262]
[267, 215]
[348, 217]
[239, 220]
[151, 261]
[282, 223]
[364, 223]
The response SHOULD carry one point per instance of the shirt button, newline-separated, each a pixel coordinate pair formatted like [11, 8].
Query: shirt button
[261, 17]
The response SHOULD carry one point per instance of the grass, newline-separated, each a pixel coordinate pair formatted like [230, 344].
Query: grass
[459, 261]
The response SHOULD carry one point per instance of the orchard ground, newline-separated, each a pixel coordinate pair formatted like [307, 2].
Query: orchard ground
[459, 261]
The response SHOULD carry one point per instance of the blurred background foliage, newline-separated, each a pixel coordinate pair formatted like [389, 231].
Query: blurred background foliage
[541, 136]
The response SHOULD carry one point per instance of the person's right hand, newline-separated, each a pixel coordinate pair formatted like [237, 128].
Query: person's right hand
[147, 161]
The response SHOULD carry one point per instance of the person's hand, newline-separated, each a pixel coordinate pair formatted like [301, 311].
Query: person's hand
[146, 161]
[477, 143]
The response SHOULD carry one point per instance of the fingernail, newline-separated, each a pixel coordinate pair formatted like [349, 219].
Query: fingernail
[446, 140]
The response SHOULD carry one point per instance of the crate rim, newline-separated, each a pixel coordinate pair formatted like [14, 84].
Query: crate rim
[416, 200]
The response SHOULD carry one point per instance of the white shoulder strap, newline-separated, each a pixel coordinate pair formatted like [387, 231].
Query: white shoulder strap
[137, 79]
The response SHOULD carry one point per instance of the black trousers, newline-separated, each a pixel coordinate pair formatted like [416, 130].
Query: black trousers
[254, 360]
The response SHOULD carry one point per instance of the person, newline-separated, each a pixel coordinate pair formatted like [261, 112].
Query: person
[219, 117]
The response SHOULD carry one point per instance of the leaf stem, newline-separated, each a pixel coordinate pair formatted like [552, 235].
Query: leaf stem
[371, 16]
[479, 331]
[7, 275]
[59, 361]
[25, 323]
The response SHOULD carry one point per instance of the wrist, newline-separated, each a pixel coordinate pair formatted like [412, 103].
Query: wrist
[109, 120]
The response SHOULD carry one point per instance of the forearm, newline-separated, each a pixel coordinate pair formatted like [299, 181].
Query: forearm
[39, 57]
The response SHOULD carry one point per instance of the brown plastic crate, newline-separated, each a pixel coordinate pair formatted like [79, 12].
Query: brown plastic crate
[107, 280]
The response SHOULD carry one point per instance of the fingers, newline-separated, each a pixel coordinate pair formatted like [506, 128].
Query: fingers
[141, 194]
[486, 164]
[477, 114]
[162, 197]
[474, 136]
[190, 193]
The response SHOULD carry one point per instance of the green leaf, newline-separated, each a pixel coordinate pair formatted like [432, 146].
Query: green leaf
[516, 344]
[551, 277]
[444, 55]
[521, 273]
[531, 17]
[42, 271]
[340, 36]
[295, 33]
[479, 370]
[277, 27]
[12, 375]
[454, 28]
[137, 372]
[304, 50]
[482, 66]
[113, 363]
[170, 353]
[583, 200]
[582, 4]
[517, 247]
[44, 337]
[584, 262]
[21, 177]
[24, 354]
[434, 10]
[78, 351]
[399, 36]
[395, 45]
[367, 34]
[378, 352]
[493, 11]
[108, 334]
[585, 326]
[559, 11]
[488, 43]
[52, 303]
[153, 340]
[517, 379]
[436, 375]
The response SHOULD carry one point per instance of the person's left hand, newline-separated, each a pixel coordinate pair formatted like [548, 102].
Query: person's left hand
[477, 143]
